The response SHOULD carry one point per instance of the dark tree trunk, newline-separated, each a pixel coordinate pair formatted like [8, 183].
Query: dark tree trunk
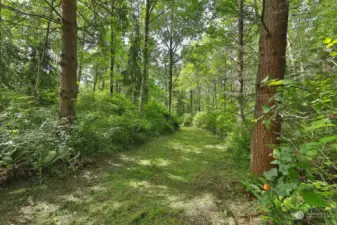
[68, 62]
[42, 57]
[112, 47]
[191, 101]
[199, 99]
[240, 52]
[144, 92]
[215, 94]
[170, 78]
[95, 78]
[272, 45]
[79, 77]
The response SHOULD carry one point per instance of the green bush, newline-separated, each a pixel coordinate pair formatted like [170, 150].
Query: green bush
[187, 120]
[238, 142]
[302, 186]
[31, 139]
[218, 122]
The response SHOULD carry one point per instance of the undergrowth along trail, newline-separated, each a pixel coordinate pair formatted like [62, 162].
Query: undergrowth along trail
[184, 178]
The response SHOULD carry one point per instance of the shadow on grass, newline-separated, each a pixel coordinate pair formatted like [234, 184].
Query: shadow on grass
[184, 178]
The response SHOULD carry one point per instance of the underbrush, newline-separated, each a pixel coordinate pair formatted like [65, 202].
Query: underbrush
[219, 122]
[302, 187]
[32, 141]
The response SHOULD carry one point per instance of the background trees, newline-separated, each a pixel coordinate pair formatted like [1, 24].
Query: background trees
[150, 65]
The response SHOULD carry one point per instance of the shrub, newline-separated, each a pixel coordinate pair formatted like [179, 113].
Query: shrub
[218, 122]
[32, 141]
[302, 186]
[187, 120]
[238, 142]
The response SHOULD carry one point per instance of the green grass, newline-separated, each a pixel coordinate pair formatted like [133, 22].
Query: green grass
[185, 178]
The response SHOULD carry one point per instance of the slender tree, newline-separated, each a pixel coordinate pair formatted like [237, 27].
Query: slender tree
[112, 46]
[240, 52]
[144, 89]
[68, 61]
[272, 62]
[35, 91]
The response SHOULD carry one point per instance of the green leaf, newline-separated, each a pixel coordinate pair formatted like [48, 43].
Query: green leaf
[330, 45]
[328, 139]
[327, 40]
[265, 108]
[333, 54]
[275, 83]
[267, 123]
[275, 162]
[269, 175]
[319, 124]
[313, 199]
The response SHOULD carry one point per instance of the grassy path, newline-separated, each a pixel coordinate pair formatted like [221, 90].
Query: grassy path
[185, 178]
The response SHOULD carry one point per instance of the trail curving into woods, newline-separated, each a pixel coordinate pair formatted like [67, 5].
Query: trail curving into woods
[184, 178]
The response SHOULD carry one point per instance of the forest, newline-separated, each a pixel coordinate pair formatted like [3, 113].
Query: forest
[162, 112]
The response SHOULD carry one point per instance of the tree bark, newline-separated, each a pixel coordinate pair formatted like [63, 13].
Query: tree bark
[112, 48]
[68, 63]
[144, 92]
[272, 62]
[191, 101]
[170, 77]
[95, 79]
[215, 89]
[79, 77]
[41, 59]
[240, 52]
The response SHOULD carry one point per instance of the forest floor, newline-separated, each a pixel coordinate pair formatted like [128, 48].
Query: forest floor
[183, 178]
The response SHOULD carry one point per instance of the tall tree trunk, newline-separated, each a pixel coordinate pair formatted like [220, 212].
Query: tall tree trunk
[224, 80]
[240, 52]
[191, 101]
[199, 99]
[171, 62]
[41, 58]
[272, 45]
[95, 78]
[170, 78]
[1, 63]
[144, 92]
[79, 76]
[68, 63]
[215, 94]
[112, 47]
[103, 80]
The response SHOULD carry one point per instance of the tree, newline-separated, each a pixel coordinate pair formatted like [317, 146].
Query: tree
[240, 52]
[112, 47]
[68, 62]
[272, 62]
[144, 92]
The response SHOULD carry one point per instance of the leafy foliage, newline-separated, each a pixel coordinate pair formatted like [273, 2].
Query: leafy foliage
[32, 140]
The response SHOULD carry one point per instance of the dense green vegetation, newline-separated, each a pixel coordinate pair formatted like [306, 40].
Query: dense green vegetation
[90, 80]
[153, 185]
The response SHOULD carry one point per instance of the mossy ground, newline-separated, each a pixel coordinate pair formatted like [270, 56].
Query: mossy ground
[184, 178]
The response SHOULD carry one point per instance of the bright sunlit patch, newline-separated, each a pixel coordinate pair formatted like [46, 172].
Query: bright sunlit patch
[204, 206]
[19, 191]
[71, 198]
[126, 158]
[162, 162]
[217, 147]
[175, 177]
[39, 207]
[144, 162]
[145, 185]
[98, 188]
